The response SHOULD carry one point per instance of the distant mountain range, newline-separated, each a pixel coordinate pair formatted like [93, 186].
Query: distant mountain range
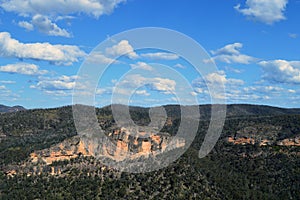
[232, 110]
[6, 109]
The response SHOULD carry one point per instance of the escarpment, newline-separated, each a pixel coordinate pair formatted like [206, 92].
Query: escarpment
[120, 144]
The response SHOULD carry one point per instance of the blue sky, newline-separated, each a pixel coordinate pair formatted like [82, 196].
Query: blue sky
[254, 43]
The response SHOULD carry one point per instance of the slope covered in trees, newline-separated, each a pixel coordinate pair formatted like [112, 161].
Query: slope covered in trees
[230, 171]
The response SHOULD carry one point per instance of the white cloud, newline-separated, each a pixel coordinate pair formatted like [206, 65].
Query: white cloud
[292, 91]
[231, 54]
[43, 12]
[281, 71]
[28, 26]
[59, 18]
[121, 90]
[293, 35]
[8, 82]
[57, 93]
[234, 70]
[229, 49]
[56, 84]
[7, 95]
[264, 89]
[142, 92]
[161, 56]
[23, 68]
[217, 81]
[95, 8]
[46, 26]
[163, 85]
[266, 11]
[141, 65]
[178, 65]
[101, 91]
[122, 48]
[194, 94]
[199, 90]
[99, 58]
[56, 54]
[235, 90]
[220, 78]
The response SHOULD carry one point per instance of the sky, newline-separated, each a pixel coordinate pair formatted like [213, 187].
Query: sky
[253, 43]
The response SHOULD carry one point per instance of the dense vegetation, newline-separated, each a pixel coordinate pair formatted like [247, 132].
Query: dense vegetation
[228, 172]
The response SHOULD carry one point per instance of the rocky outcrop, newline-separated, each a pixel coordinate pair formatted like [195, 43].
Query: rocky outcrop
[260, 134]
[67, 150]
[119, 145]
[252, 141]
[264, 142]
[289, 142]
[241, 141]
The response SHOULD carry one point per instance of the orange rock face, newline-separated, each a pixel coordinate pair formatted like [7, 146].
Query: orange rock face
[123, 146]
[146, 147]
[156, 138]
[81, 149]
[290, 142]
[264, 142]
[11, 173]
[241, 141]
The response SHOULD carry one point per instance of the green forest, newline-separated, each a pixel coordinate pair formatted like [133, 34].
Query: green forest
[230, 171]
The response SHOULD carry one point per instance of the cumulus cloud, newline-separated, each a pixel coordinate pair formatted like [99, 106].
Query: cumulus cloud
[122, 48]
[141, 65]
[46, 26]
[55, 54]
[2, 87]
[7, 95]
[291, 91]
[8, 82]
[236, 89]
[161, 56]
[281, 71]
[218, 78]
[266, 11]
[163, 85]
[264, 89]
[95, 8]
[142, 92]
[178, 65]
[231, 54]
[58, 86]
[23, 68]
[234, 70]
[40, 12]
[99, 58]
[215, 81]
[28, 26]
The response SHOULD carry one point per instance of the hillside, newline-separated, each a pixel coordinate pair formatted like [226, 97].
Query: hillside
[256, 157]
[6, 109]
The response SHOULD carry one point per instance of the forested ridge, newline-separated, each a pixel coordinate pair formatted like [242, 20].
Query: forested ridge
[230, 171]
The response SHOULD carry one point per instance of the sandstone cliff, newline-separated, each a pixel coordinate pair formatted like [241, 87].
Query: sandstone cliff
[119, 145]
